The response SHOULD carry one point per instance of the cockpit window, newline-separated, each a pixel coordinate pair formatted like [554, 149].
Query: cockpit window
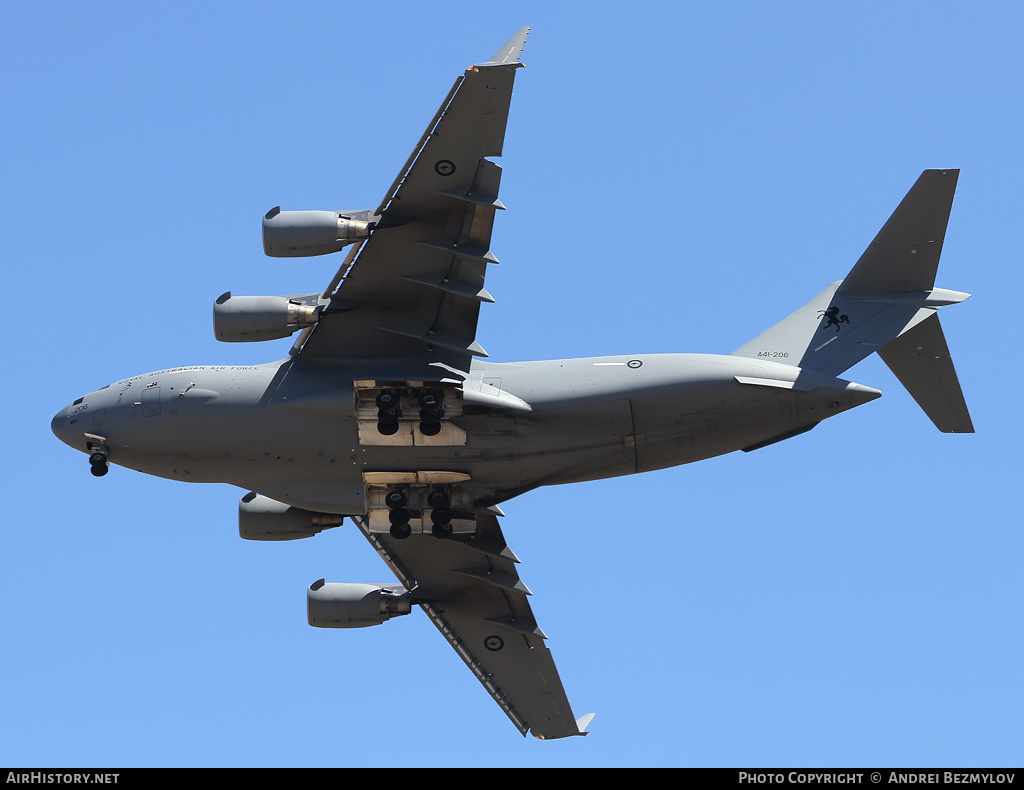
[78, 401]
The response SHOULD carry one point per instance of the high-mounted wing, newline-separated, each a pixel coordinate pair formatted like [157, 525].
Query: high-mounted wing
[414, 290]
[471, 591]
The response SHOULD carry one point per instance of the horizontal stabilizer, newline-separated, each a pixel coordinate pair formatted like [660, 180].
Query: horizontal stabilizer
[920, 359]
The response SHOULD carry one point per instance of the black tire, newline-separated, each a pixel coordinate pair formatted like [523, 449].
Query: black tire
[395, 499]
[400, 531]
[428, 400]
[442, 531]
[387, 428]
[438, 498]
[440, 516]
[399, 516]
[98, 470]
[98, 458]
[430, 428]
[387, 400]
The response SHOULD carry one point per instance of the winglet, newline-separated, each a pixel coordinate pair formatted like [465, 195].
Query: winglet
[583, 722]
[511, 50]
[581, 729]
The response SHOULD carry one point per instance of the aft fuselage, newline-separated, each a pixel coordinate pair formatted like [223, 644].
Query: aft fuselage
[289, 431]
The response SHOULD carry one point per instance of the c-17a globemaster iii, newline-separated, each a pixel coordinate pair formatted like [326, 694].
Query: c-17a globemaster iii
[384, 412]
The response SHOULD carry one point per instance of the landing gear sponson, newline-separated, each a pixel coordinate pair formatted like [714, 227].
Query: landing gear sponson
[401, 503]
[408, 413]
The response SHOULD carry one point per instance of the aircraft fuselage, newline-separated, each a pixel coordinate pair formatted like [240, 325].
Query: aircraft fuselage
[289, 431]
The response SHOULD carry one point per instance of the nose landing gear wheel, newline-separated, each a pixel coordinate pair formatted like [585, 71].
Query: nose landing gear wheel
[98, 462]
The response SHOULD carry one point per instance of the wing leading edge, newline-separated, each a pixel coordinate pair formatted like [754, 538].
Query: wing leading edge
[413, 291]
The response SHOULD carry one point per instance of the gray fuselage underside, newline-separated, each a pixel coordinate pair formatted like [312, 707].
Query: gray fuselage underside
[288, 430]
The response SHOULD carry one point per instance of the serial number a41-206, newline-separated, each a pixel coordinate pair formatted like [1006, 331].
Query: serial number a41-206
[773, 354]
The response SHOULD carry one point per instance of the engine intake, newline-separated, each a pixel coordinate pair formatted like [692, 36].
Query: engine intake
[354, 605]
[262, 518]
[249, 319]
[300, 234]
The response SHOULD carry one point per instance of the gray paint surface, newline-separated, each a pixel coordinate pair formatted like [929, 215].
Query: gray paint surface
[401, 313]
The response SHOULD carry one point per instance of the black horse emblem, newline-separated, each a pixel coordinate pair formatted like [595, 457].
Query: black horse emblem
[834, 319]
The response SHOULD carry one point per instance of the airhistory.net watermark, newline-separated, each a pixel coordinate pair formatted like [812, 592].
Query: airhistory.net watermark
[56, 778]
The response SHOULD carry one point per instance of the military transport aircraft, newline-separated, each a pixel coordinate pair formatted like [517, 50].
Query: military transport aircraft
[384, 412]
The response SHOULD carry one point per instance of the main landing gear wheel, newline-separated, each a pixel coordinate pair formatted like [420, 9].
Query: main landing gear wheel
[437, 498]
[387, 428]
[431, 411]
[387, 413]
[442, 531]
[395, 499]
[441, 516]
[387, 401]
[400, 531]
[399, 516]
[429, 401]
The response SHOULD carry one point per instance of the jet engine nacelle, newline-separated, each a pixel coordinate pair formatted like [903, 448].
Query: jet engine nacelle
[262, 518]
[299, 234]
[248, 319]
[354, 605]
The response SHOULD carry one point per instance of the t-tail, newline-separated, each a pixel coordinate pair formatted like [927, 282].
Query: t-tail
[888, 303]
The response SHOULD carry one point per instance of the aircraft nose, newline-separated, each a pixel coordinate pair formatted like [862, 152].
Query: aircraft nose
[58, 422]
[60, 427]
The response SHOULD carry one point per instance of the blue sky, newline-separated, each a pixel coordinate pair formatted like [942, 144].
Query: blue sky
[678, 178]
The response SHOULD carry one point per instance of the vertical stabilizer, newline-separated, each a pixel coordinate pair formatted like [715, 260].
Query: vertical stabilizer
[904, 256]
[887, 303]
